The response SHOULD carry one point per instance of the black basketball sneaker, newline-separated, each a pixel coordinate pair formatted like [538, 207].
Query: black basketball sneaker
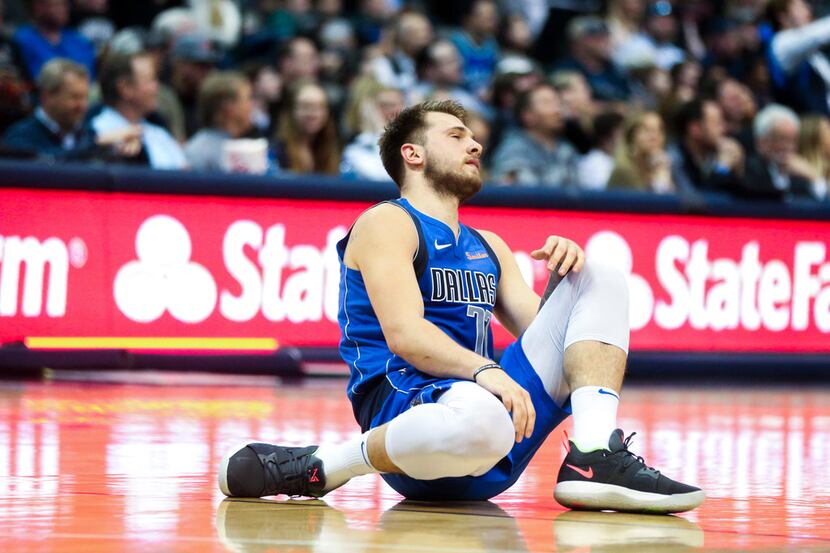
[616, 479]
[257, 470]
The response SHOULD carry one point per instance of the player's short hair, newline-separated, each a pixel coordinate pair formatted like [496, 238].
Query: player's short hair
[408, 127]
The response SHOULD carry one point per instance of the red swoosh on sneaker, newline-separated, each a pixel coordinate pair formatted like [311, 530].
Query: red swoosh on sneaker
[586, 473]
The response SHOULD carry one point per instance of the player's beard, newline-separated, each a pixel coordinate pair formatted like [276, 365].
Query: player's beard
[453, 183]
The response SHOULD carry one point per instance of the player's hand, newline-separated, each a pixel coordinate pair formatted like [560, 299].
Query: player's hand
[514, 397]
[559, 249]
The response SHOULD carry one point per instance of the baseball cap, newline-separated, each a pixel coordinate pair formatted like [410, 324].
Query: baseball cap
[196, 47]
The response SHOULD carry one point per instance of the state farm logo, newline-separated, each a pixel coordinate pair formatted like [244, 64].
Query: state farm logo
[723, 293]
[43, 268]
[163, 278]
[279, 282]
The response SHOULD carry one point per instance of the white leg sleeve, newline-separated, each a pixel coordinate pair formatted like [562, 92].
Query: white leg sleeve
[465, 434]
[589, 305]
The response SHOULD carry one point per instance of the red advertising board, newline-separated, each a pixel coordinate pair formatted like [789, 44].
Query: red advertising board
[157, 272]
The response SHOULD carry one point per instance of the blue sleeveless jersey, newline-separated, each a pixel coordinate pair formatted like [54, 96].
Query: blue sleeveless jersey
[458, 283]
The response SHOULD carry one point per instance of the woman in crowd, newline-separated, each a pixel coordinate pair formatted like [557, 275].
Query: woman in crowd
[306, 140]
[814, 147]
[642, 162]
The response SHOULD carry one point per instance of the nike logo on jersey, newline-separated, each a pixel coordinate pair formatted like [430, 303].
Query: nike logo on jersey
[586, 473]
[441, 246]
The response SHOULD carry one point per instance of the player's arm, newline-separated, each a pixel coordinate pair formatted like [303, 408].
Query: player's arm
[382, 245]
[516, 302]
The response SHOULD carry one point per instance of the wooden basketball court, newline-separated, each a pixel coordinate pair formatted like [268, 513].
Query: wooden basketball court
[106, 466]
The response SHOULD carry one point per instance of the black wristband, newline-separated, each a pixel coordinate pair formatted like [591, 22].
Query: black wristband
[483, 368]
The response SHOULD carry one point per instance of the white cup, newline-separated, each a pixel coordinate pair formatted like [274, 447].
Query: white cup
[245, 155]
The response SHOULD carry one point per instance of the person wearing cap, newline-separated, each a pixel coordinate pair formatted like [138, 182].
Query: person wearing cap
[590, 46]
[129, 88]
[193, 57]
[655, 44]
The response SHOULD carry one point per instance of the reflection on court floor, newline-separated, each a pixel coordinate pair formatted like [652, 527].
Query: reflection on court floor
[100, 467]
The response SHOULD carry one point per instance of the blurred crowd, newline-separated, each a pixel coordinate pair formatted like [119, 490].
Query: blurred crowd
[667, 96]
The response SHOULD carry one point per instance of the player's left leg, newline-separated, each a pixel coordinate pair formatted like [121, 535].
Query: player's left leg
[449, 430]
[578, 345]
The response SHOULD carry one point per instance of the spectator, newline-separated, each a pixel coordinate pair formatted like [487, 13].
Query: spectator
[624, 20]
[361, 158]
[814, 147]
[411, 32]
[704, 158]
[516, 38]
[591, 56]
[777, 172]
[799, 70]
[477, 45]
[642, 163]
[129, 88]
[739, 109]
[514, 76]
[685, 77]
[578, 108]
[651, 87]
[225, 111]
[56, 129]
[536, 154]
[299, 60]
[655, 44]
[47, 38]
[439, 67]
[193, 57]
[307, 135]
[267, 93]
[724, 47]
[596, 166]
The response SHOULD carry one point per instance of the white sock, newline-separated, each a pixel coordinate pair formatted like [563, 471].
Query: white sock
[343, 462]
[594, 410]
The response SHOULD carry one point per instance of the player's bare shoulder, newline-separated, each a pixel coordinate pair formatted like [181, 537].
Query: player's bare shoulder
[379, 229]
[496, 242]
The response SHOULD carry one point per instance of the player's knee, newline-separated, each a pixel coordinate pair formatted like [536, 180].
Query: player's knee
[608, 279]
[488, 429]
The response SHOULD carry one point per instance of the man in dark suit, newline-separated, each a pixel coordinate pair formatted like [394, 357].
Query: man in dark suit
[777, 172]
[56, 129]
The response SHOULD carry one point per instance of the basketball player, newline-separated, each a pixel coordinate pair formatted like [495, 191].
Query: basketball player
[441, 419]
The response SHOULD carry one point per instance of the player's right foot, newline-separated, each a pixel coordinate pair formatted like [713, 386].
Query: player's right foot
[615, 479]
[257, 470]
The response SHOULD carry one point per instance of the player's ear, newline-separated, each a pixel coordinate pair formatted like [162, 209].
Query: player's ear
[413, 154]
